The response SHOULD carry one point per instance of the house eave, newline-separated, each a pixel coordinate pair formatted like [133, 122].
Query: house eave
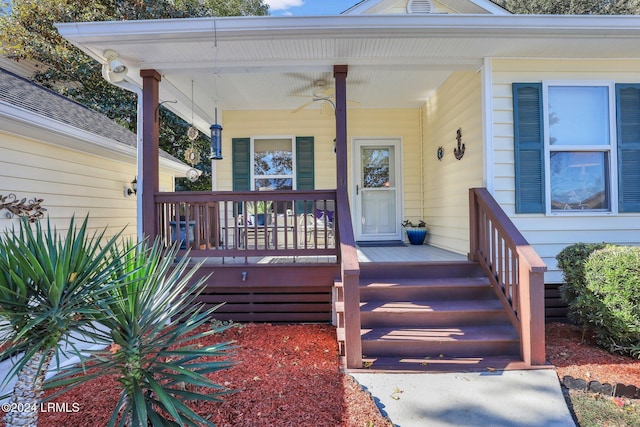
[256, 59]
[521, 26]
[26, 124]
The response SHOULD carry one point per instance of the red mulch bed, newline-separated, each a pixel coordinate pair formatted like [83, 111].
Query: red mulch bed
[582, 359]
[288, 375]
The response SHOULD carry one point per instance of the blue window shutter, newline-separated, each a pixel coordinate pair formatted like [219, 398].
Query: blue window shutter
[528, 147]
[241, 163]
[628, 127]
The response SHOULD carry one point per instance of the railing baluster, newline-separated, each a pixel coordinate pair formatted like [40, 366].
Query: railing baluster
[516, 271]
[216, 224]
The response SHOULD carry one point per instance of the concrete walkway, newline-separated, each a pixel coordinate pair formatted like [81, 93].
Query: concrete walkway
[531, 398]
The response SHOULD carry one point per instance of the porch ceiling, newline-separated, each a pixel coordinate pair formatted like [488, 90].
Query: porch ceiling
[251, 63]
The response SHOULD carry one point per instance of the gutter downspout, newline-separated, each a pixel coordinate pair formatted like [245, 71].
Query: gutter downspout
[138, 91]
[487, 124]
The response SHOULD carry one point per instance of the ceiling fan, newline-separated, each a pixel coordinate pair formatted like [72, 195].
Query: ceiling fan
[321, 92]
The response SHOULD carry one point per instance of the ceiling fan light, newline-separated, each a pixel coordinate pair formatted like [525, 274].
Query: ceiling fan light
[319, 88]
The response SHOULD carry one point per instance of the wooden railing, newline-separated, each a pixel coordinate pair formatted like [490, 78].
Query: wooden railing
[514, 268]
[250, 223]
[350, 276]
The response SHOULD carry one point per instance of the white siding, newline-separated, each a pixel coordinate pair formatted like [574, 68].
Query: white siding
[71, 183]
[550, 234]
[456, 105]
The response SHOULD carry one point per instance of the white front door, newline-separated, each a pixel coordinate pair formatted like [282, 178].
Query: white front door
[378, 189]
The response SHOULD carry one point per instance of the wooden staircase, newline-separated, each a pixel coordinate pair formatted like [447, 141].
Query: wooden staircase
[431, 317]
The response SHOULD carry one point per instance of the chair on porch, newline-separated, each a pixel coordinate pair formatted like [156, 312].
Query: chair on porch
[282, 227]
[314, 228]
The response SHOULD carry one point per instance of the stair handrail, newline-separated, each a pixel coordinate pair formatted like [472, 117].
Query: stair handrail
[514, 268]
[350, 276]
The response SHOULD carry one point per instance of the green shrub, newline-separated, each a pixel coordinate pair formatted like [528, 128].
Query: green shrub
[571, 260]
[612, 300]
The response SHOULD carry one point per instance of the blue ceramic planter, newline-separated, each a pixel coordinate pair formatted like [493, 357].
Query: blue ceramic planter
[416, 235]
[182, 233]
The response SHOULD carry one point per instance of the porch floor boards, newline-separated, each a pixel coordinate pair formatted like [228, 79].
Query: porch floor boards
[409, 253]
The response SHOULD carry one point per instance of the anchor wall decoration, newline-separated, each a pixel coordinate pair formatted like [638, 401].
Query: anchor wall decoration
[459, 151]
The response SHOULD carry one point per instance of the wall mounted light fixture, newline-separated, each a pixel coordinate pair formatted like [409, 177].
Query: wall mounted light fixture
[132, 189]
[114, 70]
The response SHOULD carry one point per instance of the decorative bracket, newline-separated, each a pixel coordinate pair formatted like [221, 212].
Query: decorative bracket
[459, 152]
[30, 209]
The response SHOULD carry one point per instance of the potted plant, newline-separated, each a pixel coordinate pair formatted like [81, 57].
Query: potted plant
[259, 211]
[416, 233]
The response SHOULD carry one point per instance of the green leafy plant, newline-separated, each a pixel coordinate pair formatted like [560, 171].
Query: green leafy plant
[50, 289]
[153, 320]
[258, 207]
[571, 260]
[409, 224]
[612, 276]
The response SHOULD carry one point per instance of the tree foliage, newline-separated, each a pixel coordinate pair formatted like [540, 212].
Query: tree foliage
[571, 7]
[27, 32]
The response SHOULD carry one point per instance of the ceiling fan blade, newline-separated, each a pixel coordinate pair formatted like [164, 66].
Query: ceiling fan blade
[300, 96]
[349, 101]
[302, 107]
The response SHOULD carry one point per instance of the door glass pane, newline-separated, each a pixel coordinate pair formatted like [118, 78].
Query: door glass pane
[579, 180]
[578, 115]
[376, 167]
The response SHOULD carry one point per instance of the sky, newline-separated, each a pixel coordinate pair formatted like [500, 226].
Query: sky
[308, 7]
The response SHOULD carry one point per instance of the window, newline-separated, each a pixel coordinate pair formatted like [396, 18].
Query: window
[577, 147]
[273, 166]
[273, 163]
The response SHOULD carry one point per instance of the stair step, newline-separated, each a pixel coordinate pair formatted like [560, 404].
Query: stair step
[439, 317]
[432, 313]
[413, 288]
[463, 341]
[431, 306]
[441, 364]
[445, 269]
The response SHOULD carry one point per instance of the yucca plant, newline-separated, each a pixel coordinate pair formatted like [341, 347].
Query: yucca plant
[50, 287]
[152, 322]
